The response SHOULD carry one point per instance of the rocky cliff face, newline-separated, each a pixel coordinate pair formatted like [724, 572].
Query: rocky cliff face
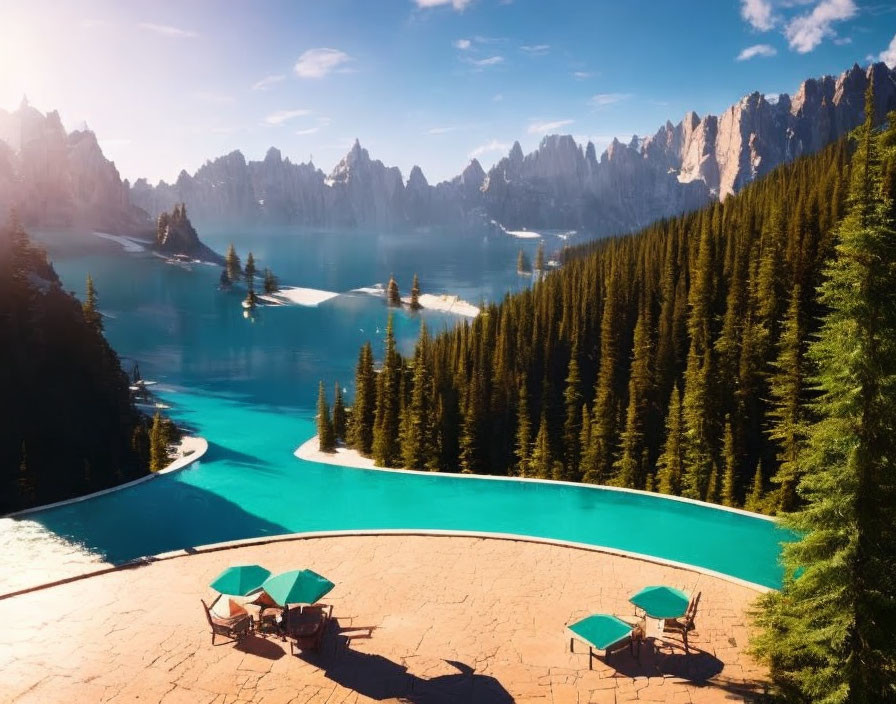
[175, 235]
[559, 185]
[56, 179]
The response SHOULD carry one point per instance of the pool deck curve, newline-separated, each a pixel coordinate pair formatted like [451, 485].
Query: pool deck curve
[419, 618]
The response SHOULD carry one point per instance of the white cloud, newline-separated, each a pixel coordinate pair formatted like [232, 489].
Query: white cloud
[805, 32]
[888, 55]
[169, 31]
[762, 50]
[493, 146]
[758, 13]
[545, 127]
[267, 82]
[463, 44]
[581, 75]
[536, 49]
[456, 4]
[603, 99]
[307, 130]
[317, 63]
[488, 61]
[440, 130]
[281, 116]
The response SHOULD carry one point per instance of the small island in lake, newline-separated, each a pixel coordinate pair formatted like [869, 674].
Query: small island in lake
[176, 237]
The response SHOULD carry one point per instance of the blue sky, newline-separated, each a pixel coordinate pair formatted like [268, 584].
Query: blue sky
[167, 85]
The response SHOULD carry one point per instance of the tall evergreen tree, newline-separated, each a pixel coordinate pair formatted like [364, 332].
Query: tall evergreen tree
[158, 445]
[415, 294]
[788, 414]
[670, 465]
[542, 461]
[339, 418]
[363, 408]
[232, 264]
[523, 447]
[729, 489]
[572, 425]
[271, 283]
[628, 466]
[522, 263]
[326, 436]
[539, 257]
[91, 313]
[393, 296]
[828, 634]
[418, 444]
[386, 445]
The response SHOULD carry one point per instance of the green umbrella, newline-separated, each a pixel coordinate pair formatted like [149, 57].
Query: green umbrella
[297, 587]
[240, 580]
[661, 602]
[601, 630]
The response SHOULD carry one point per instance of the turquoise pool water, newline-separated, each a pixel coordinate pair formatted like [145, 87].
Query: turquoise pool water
[249, 388]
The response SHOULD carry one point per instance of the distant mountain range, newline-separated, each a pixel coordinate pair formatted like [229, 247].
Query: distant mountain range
[54, 178]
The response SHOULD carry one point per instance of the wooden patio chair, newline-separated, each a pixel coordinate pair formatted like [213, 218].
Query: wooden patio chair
[305, 627]
[685, 624]
[234, 627]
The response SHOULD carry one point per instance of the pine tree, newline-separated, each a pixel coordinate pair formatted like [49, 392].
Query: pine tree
[418, 444]
[386, 446]
[598, 458]
[91, 314]
[755, 498]
[250, 271]
[572, 425]
[339, 420]
[539, 257]
[628, 466]
[729, 490]
[670, 465]
[232, 265]
[523, 449]
[788, 428]
[522, 263]
[542, 462]
[393, 296]
[363, 408]
[326, 435]
[271, 284]
[158, 445]
[415, 294]
[828, 634]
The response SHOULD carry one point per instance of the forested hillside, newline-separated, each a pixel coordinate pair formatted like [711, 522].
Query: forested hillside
[70, 426]
[672, 359]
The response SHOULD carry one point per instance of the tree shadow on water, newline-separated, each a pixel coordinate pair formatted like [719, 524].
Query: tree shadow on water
[220, 452]
[379, 678]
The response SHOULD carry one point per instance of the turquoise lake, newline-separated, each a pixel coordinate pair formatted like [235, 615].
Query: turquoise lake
[249, 387]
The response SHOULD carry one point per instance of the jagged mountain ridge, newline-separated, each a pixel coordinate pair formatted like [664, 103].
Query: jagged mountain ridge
[57, 179]
[559, 185]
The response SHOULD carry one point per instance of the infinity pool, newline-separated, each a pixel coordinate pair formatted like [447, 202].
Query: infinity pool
[249, 389]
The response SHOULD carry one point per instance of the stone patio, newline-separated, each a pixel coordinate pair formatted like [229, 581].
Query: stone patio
[419, 619]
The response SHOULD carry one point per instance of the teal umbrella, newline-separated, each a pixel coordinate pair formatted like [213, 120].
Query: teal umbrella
[601, 631]
[240, 580]
[297, 587]
[661, 602]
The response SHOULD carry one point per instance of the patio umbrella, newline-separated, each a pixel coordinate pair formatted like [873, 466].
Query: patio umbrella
[661, 602]
[240, 580]
[297, 587]
[601, 630]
